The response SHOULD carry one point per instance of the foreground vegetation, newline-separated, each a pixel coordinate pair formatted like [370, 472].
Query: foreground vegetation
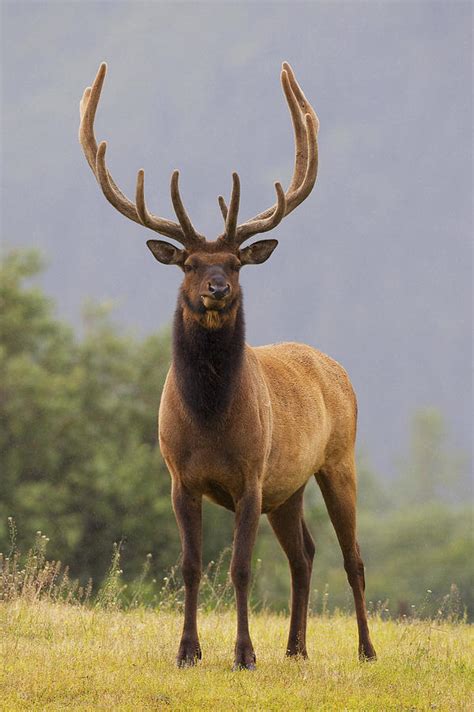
[58, 656]
[64, 647]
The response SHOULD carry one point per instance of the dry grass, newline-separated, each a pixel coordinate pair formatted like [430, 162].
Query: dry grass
[61, 657]
[63, 650]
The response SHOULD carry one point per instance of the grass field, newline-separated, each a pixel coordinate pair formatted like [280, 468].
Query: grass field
[66, 657]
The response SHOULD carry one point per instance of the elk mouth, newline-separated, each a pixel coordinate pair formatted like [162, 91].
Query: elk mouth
[213, 304]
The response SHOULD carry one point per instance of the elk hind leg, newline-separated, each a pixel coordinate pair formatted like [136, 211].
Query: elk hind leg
[338, 487]
[288, 524]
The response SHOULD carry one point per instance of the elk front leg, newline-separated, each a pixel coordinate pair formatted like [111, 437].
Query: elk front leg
[247, 514]
[188, 511]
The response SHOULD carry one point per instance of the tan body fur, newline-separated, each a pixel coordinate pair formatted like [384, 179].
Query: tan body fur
[293, 413]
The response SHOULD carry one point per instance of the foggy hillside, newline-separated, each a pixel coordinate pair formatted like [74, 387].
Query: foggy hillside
[374, 268]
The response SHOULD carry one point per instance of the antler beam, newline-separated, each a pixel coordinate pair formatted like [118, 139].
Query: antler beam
[183, 231]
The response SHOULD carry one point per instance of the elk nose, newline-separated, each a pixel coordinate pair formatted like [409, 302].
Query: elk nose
[219, 290]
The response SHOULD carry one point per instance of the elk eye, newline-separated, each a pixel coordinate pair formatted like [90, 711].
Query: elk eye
[236, 268]
[189, 268]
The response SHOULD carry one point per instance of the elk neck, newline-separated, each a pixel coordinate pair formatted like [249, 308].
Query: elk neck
[208, 362]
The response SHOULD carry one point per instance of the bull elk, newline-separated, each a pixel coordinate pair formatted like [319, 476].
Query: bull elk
[245, 427]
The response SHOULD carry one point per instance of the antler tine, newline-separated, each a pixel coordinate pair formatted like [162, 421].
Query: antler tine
[233, 211]
[223, 206]
[264, 224]
[222, 203]
[95, 156]
[299, 107]
[109, 188]
[87, 110]
[183, 217]
[161, 225]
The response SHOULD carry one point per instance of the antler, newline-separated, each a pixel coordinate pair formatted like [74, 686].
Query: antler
[306, 126]
[183, 232]
[234, 234]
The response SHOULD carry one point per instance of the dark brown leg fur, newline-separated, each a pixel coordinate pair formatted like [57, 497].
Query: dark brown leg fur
[292, 533]
[338, 487]
[187, 508]
[247, 515]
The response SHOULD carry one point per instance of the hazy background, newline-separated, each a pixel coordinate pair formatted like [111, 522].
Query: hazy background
[373, 269]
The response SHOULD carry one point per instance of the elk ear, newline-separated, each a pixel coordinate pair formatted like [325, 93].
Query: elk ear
[258, 252]
[166, 253]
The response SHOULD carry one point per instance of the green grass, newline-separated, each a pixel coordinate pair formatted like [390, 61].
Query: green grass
[57, 656]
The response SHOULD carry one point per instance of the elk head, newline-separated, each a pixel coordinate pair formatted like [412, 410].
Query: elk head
[210, 286]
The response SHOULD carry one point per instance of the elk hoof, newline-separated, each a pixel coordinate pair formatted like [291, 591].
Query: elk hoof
[296, 653]
[245, 661]
[367, 654]
[243, 666]
[188, 655]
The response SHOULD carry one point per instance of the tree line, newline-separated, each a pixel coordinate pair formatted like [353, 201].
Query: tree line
[79, 461]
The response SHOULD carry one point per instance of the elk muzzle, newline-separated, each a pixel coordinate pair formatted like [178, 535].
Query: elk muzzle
[216, 294]
[219, 290]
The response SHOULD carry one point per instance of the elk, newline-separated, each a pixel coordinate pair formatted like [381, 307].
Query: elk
[245, 427]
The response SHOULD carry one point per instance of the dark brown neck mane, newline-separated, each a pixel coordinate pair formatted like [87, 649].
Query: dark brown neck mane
[207, 362]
